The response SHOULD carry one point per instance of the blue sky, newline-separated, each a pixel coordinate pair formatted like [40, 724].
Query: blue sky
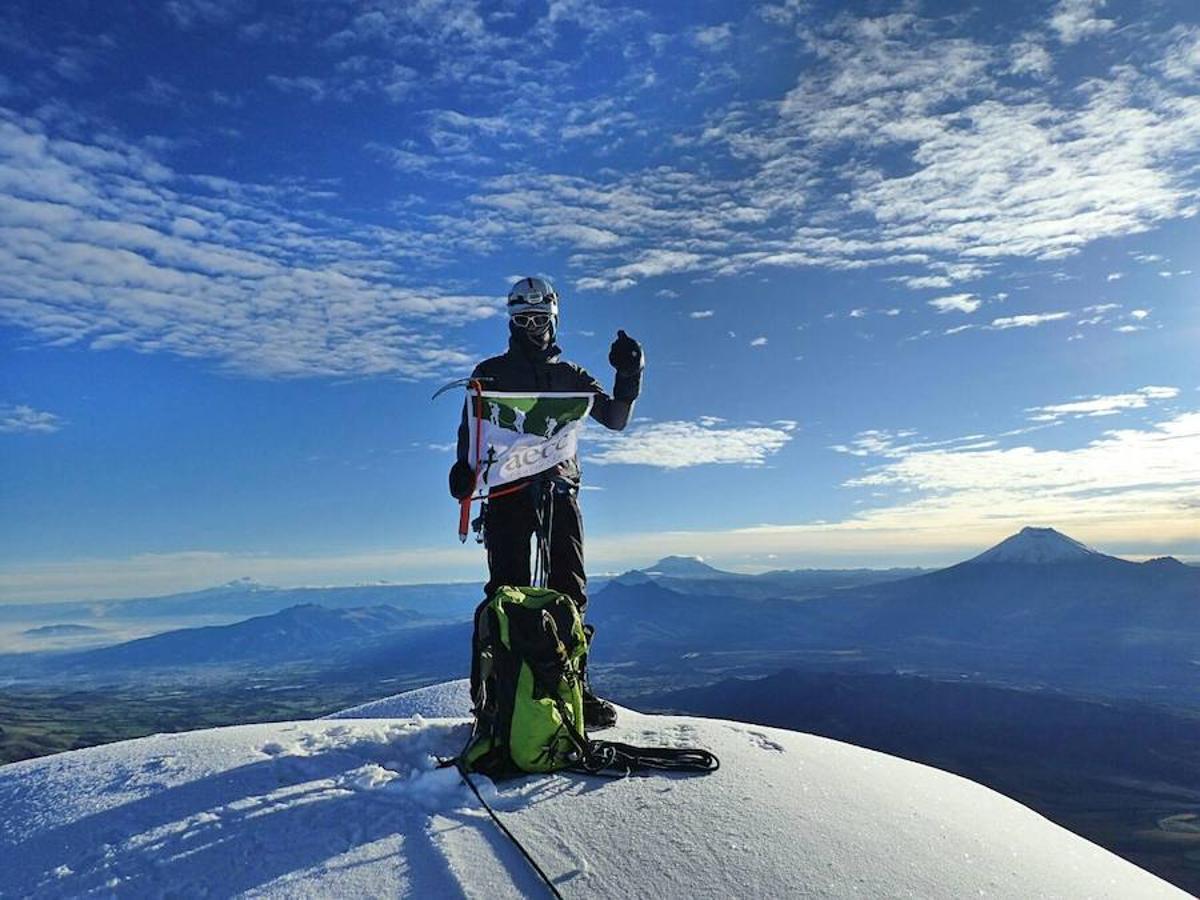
[909, 276]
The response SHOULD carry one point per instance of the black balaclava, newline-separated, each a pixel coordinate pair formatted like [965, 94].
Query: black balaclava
[533, 296]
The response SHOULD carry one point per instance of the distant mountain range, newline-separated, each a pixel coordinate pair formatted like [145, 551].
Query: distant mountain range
[1037, 608]
[299, 633]
[1041, 591]
[691, 575]
[245, 597]
[66, 630]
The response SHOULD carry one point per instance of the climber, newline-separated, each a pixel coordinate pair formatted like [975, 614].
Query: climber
[533, 363]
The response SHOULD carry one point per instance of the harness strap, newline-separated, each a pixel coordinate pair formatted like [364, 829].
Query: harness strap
[543, 506]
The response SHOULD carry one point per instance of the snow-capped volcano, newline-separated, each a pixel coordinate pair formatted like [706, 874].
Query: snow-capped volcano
[684, 567]
[1037, 546]
[356, 807]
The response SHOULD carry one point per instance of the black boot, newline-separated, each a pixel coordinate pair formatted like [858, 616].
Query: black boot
[597, 713]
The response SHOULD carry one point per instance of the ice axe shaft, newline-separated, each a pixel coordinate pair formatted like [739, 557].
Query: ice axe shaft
[464, 519]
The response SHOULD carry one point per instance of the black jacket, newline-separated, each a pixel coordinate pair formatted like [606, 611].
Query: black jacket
[523, 368]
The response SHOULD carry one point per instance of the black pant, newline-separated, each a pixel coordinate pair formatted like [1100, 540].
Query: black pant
[509, 526]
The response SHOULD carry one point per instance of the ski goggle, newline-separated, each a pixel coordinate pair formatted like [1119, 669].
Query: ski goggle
[531, 320]
[532, 297]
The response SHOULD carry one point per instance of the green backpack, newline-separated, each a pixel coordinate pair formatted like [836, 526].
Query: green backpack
[530, 654]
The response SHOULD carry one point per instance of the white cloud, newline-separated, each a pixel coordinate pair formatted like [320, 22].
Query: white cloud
[1139, 313]
[1031, 320]
[701, 314]
[900, 144]
[1182, 62]
[1102, 404]
[581, 236]
[988, 173]
[881, 442]
[611, 285]
[713, 37]
[23, 419]
[191, 13]
[966, 303]
[681, 444]
[105, 247]
[403, 159]
[1145, 476]
[925, 282]
[759, 342]
[1075, 20]
[658, 262]
[1029, 57]
[1132, 485]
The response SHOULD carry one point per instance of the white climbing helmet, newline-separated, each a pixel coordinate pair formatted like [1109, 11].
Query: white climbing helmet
[533, 306]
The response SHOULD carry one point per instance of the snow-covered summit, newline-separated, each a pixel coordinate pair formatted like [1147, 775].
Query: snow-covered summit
[237, 587]
[1037, 546]
[684, 567]
[355, 807]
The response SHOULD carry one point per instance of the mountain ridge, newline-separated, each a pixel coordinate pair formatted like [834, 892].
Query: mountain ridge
[295, 632]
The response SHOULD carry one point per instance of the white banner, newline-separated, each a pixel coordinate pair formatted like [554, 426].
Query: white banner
[518, 434]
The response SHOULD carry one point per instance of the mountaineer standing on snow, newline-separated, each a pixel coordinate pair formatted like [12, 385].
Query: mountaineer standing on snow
[533, 364]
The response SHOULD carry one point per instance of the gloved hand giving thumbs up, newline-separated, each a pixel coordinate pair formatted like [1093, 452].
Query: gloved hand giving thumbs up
[626, 356]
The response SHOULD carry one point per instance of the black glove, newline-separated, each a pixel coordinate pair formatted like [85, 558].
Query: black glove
[625, 356]
[462, 480]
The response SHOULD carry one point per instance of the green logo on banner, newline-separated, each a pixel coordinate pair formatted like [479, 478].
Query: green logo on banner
[539, 416]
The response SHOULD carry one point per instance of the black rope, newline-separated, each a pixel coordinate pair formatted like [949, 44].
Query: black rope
[543, 507]
[625, 758]
[462, 770]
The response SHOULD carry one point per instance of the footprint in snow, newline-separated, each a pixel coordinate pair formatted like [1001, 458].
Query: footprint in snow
[763, 742]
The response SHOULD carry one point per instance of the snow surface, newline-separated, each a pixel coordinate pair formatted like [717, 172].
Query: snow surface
[354, 807]
[1037, 545]
[449, 700]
